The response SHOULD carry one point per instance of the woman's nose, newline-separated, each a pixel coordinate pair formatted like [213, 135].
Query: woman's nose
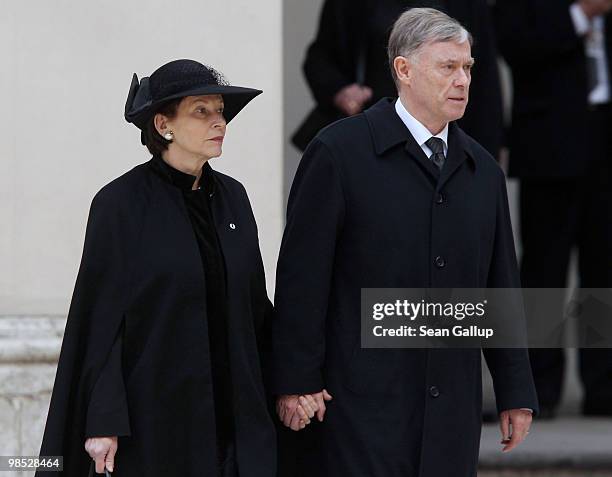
[220, 122]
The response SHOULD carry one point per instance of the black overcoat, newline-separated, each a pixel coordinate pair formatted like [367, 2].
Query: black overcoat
[368, 210]
[141, 274]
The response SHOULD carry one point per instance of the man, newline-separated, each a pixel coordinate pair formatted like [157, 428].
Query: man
[351, 42]
[401, 197]
[560, 54]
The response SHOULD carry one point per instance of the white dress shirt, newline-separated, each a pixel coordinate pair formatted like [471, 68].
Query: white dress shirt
[419, 131]
[595, 49]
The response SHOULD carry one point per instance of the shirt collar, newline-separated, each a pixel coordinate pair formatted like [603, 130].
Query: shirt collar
[181, 179]
[419, 132]
[388, 131]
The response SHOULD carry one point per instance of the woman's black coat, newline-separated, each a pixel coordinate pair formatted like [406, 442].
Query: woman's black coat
[141, 275]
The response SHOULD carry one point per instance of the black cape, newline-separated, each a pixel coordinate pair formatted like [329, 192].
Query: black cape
[141, 276]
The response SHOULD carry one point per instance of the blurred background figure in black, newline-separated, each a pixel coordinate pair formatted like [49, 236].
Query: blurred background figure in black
[560, 149]
[347, 69]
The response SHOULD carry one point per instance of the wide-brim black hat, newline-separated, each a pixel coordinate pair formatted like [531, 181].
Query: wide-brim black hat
[178, 79]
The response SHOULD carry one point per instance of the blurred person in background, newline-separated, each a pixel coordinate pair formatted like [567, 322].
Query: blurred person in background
[561, 150]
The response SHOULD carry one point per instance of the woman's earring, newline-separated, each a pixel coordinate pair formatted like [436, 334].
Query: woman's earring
[169, 136]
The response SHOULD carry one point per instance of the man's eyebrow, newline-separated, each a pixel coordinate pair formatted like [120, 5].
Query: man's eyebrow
[471, 61]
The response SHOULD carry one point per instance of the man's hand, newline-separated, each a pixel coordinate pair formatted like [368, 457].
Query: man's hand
[592, 8]
[520, 420]
[102, 450]
[351, 98]
[296, 411]
[320, 399]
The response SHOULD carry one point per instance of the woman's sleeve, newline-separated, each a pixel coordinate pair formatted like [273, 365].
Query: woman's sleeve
[261, 305]
[95, 320]
[107, 412]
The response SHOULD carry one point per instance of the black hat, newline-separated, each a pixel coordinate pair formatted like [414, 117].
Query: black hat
[178, 79]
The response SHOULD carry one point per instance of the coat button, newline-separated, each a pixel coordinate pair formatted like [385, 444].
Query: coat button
[434, 391]
[440, 199]
[233, 226]
[440, 262]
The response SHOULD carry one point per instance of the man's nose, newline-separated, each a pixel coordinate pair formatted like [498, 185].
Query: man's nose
[462, 79]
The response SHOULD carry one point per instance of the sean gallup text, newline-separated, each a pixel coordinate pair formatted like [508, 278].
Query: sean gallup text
[425, 331]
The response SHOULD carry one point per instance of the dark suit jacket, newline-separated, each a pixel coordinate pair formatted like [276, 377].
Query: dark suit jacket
[348, 27]
[549, 135]
[368, 210]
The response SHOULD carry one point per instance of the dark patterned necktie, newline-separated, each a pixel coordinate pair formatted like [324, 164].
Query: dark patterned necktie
[437, 146]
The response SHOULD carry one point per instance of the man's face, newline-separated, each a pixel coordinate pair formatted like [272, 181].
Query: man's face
[439, 81]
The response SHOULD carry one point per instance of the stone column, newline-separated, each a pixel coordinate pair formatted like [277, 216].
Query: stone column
[29, 349]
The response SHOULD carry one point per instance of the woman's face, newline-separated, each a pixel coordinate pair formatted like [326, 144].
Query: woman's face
[198, 127]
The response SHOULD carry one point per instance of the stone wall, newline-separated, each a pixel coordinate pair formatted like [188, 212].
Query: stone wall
[29, 349]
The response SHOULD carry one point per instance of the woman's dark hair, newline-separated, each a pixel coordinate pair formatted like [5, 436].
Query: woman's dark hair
[154, 141]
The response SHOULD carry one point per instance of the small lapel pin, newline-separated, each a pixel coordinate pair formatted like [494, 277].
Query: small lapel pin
[232, 226]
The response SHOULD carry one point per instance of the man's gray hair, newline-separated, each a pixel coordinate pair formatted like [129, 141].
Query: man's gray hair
[417, 27]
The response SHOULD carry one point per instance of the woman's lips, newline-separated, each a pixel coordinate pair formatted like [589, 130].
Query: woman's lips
[217, 139]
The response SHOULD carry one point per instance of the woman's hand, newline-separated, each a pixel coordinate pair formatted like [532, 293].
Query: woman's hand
[102, 450]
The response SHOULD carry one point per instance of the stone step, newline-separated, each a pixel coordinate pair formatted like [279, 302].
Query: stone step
[570, 446]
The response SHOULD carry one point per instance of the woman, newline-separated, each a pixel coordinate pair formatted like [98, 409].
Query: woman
[159, 372]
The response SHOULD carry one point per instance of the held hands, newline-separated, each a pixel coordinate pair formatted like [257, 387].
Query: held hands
[351, 98]
[296, 410]
[102, 450]
[520, 420]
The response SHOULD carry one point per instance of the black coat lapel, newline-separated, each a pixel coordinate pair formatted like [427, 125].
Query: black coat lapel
[455, 157]
[419, 156]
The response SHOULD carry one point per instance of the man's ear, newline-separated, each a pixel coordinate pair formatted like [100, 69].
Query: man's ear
[161, 124]
[403, 69]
